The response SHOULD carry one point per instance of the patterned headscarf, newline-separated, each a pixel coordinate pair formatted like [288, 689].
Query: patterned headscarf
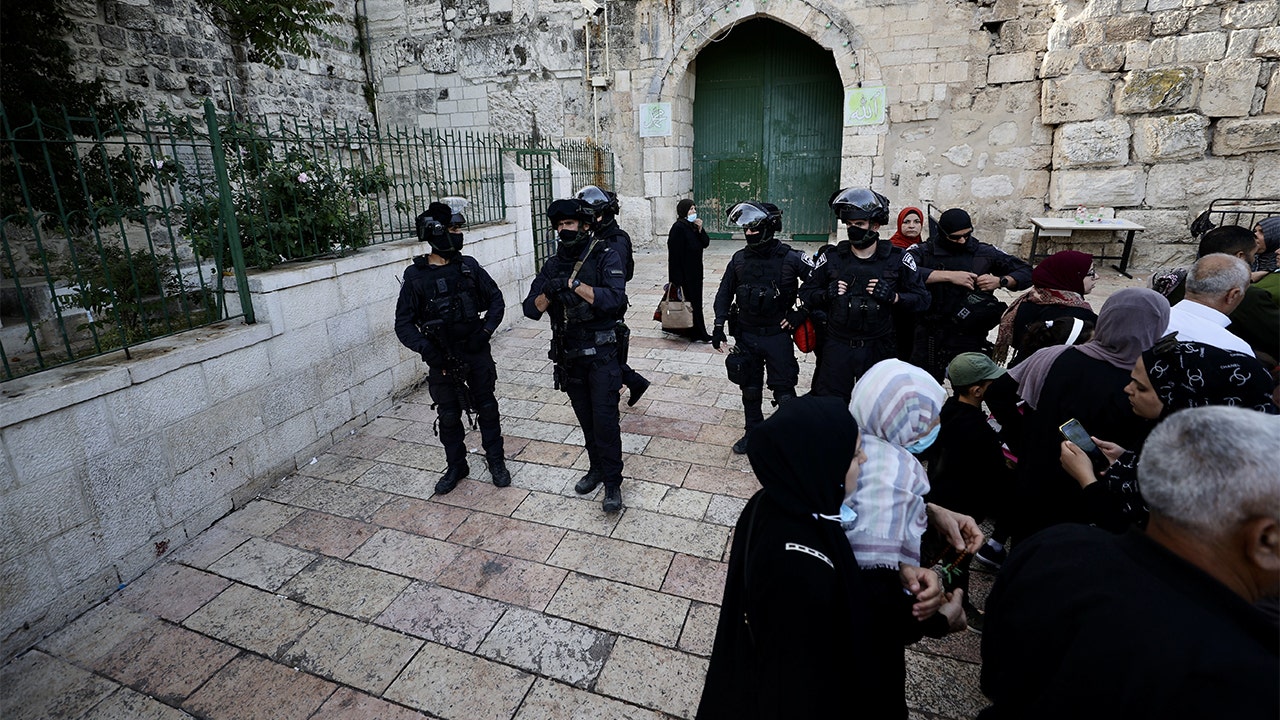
[895, 404]
[1189, 374]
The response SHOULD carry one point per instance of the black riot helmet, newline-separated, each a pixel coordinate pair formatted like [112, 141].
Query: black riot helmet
[571, 209]
[603, 204]
[860, 204]
[437, 226]
[764, 218]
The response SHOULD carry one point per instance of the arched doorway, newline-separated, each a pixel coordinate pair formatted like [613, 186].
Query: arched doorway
[767, 126]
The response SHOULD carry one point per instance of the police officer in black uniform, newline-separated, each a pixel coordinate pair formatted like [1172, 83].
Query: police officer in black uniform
[604, 206]
[448, 310]
[961, 274]
[583, 286]
[757, 294]
[857, 285]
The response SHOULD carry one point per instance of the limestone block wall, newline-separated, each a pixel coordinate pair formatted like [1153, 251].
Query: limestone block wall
[1159, 107]
[110, 464]
[1011, 109]
[170, 53]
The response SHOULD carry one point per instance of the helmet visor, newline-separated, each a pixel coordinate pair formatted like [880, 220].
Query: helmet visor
[747, 216]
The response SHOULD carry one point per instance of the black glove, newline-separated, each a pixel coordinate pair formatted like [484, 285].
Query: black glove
[796, 317]
[833, 289]
[718, 338]
[477, 342]
[882, 292]
[430, 357]
[555, 285]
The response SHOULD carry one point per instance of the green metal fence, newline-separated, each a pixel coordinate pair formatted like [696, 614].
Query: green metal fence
[122, 230]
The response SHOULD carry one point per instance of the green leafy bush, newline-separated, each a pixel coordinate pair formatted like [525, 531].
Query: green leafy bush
[292, 207]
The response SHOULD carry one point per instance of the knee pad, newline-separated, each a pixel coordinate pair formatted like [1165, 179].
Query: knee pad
[752, 395]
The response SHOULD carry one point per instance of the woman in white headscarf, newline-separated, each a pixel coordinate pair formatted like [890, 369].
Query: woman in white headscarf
[896, 406]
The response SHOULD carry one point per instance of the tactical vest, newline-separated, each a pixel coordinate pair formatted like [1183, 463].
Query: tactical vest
[580, 318]
[947, 297]
[759, 294]
[856, 315]
[449, 295]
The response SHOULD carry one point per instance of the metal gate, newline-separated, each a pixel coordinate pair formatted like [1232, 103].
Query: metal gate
[767, 126]
[538, 163]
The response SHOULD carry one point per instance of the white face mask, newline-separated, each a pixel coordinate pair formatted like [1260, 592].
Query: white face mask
[693, 216]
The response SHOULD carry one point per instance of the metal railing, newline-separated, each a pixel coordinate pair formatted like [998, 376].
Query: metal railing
[118, 231]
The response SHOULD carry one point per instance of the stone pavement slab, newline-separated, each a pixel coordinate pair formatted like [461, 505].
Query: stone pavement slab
[457, 686]
[350, 590]
[252, 688]
[447, 617]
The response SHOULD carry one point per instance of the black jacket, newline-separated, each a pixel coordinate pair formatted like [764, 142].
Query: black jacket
[1085, 624]
[974, 256]
[603, 271]
[967, 468]
[420, 291]
[620, 242]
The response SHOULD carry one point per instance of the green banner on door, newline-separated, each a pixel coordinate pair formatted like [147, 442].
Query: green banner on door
[863, 106]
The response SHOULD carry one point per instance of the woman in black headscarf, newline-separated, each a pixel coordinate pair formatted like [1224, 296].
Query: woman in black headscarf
[1169, 377]
[795, 608]
[685, 243]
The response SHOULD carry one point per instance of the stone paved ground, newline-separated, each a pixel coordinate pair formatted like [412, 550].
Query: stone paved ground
[349, 591]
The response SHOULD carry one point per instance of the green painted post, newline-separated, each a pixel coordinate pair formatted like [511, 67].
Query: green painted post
[228, 212]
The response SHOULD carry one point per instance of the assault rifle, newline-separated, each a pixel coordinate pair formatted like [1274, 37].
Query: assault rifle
[455, 370]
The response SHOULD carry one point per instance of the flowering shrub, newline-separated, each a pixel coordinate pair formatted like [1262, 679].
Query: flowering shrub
[288, 208]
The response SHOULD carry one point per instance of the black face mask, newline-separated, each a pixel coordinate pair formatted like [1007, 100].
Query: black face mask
[862, 238]
[760, 239]
[571, 238]
[446, 245]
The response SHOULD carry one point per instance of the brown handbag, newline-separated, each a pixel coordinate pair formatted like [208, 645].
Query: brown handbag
[674, 311]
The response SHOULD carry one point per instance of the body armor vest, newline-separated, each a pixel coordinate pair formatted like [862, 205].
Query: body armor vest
[857, 315]
[759, 294]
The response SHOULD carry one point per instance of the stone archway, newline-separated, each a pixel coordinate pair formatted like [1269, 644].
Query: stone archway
[668, 161]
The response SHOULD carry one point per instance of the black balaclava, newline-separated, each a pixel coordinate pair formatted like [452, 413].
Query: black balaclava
[954, 220]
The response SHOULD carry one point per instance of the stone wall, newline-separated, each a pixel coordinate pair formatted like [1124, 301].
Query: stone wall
[109, 464]
[1148, 108]
[169, 53]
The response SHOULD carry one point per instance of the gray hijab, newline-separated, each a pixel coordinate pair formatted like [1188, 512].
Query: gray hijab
[1130, 322]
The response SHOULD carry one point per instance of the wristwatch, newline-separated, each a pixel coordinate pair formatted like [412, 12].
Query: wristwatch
[574, 285]
[1004, 281]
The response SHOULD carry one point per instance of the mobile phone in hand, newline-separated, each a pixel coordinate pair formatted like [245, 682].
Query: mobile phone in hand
[1072, 430]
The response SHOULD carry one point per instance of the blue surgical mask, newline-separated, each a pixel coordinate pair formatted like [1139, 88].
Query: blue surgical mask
[845, 518]
[692, 216]
[923, 443]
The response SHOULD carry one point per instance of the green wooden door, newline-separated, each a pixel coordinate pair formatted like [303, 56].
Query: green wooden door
[766, 120]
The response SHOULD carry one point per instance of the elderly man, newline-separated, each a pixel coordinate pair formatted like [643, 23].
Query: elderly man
[1216, 285]
[1082, 623]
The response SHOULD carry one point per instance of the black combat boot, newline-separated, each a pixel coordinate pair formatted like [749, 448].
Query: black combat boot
[450, 479]
[612, 499]
[589, 482]
[498, 471]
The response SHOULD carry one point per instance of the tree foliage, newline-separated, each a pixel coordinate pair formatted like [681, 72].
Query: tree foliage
[38, 83]
[271, 28]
